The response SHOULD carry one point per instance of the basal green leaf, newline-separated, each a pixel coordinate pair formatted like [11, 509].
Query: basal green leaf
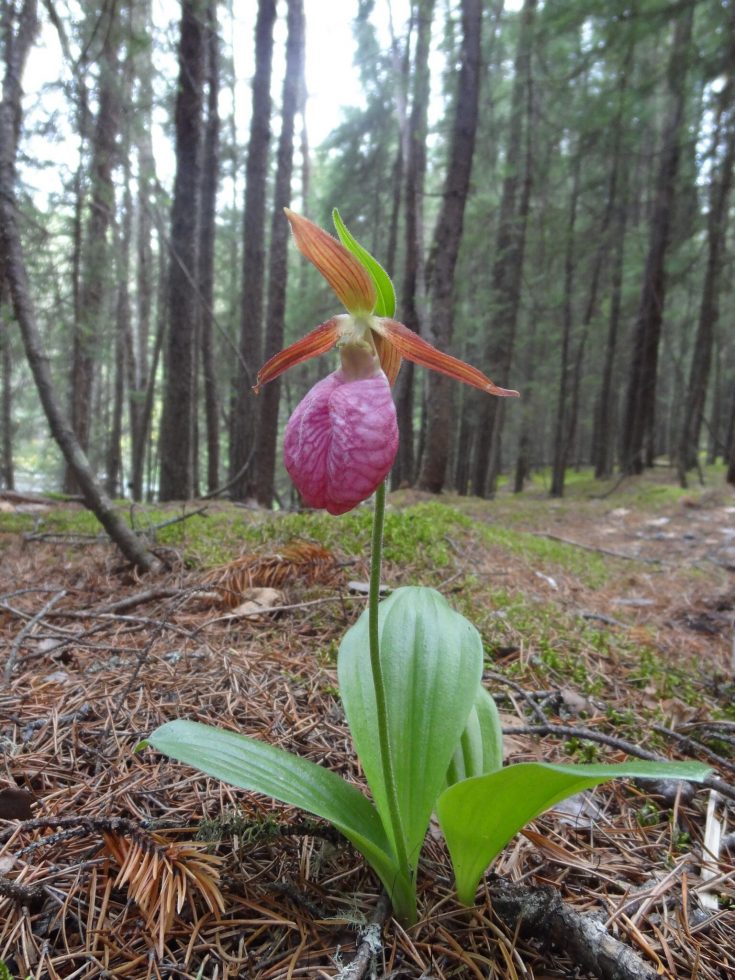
[480, 748]
[480, 815]
[491, 730]
[263, 768]
[386, 302]
[432, 662]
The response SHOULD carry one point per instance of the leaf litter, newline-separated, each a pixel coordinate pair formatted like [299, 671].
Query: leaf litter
[133, 866]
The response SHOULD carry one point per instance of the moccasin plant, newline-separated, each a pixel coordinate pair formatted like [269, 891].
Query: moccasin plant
[425, 730]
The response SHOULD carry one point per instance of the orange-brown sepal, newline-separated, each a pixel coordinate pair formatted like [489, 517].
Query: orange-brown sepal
[390, 359]
[414, 348]
[348, 278]
[317, 341]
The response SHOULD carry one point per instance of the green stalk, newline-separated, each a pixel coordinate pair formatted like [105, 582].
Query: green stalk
[379, 684]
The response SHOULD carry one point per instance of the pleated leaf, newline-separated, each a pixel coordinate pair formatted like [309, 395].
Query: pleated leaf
[262, 768]
[432, 661]
[480, 748]
[480, 815]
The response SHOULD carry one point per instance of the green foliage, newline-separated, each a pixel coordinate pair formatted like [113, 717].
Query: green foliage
[480, 748]
[385, 305]
[479, 816]
[263, 768]
[444, 741]
[432, 663]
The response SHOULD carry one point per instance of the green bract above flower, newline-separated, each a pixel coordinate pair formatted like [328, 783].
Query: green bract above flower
[355, 287]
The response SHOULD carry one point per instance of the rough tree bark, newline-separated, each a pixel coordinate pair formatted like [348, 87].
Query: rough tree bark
[244, 415]
[178, 397]
[210, 180]
[413, 285]
[94, 287]
[113, 468]
[616, 216]
[717, 223]
[445, 247]
[730, 456]
[606, 419]
[508, 262]
[561, 421]
[18, 37]
[640, 397]
[137, 353]
[123, 243]
[7, 469]
[265, 452]
[616, 186]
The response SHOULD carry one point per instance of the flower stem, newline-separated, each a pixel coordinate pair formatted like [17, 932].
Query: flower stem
[379, 683]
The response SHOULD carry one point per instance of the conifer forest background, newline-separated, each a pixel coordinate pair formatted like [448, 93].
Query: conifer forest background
[548, 182]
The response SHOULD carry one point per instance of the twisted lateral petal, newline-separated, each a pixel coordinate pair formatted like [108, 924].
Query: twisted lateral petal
[390, 359]
[341, 441]
[414, 348]
[317, 341]
[348, 278]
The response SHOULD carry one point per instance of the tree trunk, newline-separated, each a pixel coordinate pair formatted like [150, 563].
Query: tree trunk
[176, 479]
[640, 398]
[719, 432]
[16, 47]
[242, 443]
[265, 456]
[7, 470]
[445, 248]
[137, 352]
[561, 423]
[148, 395]
[113, 467]
[413, 285]
[730, 455]
[606, 415]
[210, 180]
[508, 263]
[717, 222]
[95, 257]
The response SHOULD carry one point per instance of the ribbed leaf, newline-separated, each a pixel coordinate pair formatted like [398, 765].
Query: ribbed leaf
[480, 815]
[386, 302]
[491, 730]
[432, 662]
[480, 748]
[263, 768]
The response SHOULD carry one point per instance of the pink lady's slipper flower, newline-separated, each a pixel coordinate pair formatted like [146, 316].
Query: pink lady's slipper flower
[342, 438]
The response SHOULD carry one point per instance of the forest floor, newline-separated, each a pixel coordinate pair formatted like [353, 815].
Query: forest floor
[608, 624]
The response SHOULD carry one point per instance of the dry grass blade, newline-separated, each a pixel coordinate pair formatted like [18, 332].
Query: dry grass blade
[302, 560]
[161, 878]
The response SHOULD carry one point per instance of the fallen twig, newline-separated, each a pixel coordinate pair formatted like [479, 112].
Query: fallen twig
[542, 914]
[569, 731]
[694, 745]
[370, 943]
[13, 655]
[599, 617]
[129, 602]
[16, 891]
[596, 550]
[269, 610]
[172, 520]
[118, 825]
[526, 695]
